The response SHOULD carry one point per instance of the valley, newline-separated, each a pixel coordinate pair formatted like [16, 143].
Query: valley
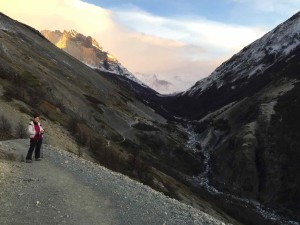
[227, 146]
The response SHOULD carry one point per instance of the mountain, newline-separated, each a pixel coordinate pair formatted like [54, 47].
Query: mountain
[229, 144]
[244, 120]
[87, 50]
[93, 113]
[243, 74]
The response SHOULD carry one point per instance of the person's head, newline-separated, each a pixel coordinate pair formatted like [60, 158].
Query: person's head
[36, 118]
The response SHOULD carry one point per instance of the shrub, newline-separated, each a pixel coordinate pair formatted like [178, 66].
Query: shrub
[5, 129]
[21, 130]
[5, 125]
[82, 138]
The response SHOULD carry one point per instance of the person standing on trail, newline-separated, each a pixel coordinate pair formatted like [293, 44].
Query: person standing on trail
[35, 132]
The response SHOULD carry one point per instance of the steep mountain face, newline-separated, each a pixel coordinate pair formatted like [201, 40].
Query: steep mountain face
[88, 51]
[245, 123]
[243, 74]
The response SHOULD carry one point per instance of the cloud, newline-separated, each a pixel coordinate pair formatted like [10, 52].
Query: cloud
[178, 50]
[193, 30]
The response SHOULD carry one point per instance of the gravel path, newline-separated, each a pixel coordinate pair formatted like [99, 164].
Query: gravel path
[65, 189]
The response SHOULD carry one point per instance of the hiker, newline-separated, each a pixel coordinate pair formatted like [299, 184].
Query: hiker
[35, 132]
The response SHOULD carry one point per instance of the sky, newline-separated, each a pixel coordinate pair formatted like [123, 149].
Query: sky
[168, 44]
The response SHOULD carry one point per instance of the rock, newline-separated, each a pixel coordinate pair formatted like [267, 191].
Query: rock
[11, 156]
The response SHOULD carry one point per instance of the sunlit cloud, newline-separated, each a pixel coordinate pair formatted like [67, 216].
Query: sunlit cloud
[177, 50]
[193, 30]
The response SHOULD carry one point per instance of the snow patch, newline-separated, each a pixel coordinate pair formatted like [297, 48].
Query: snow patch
[117, 69]
[257, 70]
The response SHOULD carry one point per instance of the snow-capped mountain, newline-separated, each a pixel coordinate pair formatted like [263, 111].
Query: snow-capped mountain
[242, 75]
[243, 120]
[254, 59]
[88, 50]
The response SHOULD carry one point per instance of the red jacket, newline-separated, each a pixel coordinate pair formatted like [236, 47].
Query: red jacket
[32, 131]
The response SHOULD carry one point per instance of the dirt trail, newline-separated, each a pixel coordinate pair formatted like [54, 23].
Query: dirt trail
[64, 189]
[45, 193]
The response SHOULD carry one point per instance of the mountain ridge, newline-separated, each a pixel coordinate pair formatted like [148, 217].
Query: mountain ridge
[271, 45]
[88, 50]
[238, 76]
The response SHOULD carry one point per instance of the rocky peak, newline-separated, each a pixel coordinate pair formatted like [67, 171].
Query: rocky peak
[88, 50]
[80, 39]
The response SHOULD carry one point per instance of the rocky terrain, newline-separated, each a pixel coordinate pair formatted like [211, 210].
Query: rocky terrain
[91, 114]
[65, 189]
[99, 112]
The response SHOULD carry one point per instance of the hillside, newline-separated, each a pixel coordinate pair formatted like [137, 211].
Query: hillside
[243, 120]
[92, 114]
[65, 189]
[97, 111]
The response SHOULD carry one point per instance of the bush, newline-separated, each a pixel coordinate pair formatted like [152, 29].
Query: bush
[141, 168]
[72, 126]
[5, 129]
[82, 138]
[5, 125]
[21, 130]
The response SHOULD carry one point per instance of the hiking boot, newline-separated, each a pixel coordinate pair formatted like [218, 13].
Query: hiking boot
[38, 159]
[28, 161]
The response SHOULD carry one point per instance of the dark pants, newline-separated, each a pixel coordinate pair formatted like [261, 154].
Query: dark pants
[34, 144]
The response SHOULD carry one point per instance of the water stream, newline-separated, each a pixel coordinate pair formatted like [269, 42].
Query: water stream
[202, 180]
